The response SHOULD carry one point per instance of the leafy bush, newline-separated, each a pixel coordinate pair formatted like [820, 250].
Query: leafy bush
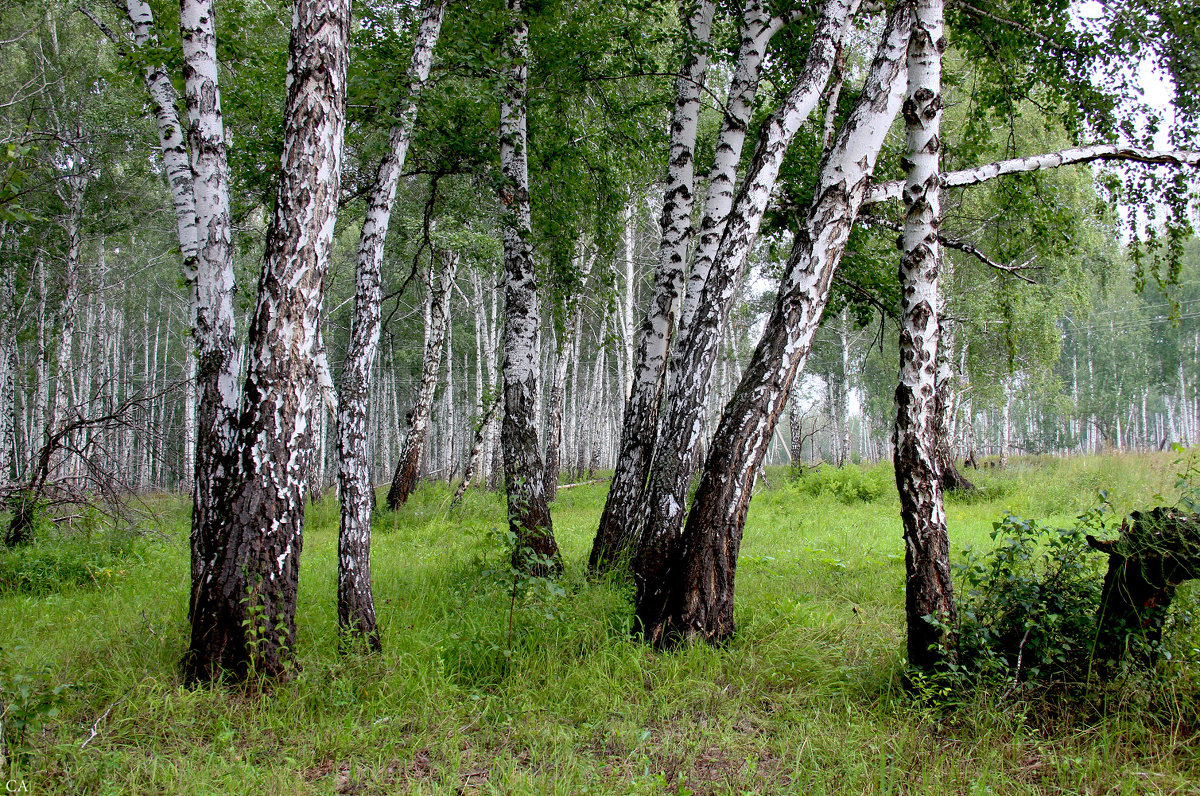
[848, 484]
[56, 560]
[1028, 607]
[28, 699]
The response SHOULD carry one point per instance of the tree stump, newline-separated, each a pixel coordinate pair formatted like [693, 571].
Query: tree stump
[1156, 551]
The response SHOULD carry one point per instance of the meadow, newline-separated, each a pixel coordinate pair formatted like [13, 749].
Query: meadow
[478, 693]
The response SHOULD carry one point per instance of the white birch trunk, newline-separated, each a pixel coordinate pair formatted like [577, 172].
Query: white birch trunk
[408, 467]
[758, 26]
[685, 585]
[356, 605]
[695, 350]
[247, 608]
[929, 586]
[619, 519]
[528, 513]
[218, 362]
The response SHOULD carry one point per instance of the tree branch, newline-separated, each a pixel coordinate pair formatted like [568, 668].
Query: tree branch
[954, 243]
[1052, 160]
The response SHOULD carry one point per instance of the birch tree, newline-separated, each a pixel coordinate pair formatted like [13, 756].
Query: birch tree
[356, 605]
[211, 273]
[619, 518]
[440, 290]
[695, 351]
[656, 463]
[929, 586]
[244, 615]
[528, 511]
[685, 589]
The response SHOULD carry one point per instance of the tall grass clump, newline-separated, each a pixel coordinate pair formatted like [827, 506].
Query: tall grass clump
[850, 484]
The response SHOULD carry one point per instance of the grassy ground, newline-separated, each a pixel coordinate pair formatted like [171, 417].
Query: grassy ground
[805, 700]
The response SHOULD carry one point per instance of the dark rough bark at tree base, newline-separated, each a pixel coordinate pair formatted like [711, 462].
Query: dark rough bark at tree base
[952, 478]
[621, 517]
[244, 618]
[408, 471]
[1157, 550]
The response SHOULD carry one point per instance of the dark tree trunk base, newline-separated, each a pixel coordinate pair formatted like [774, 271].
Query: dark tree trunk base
[1156, 551]
[953, 480]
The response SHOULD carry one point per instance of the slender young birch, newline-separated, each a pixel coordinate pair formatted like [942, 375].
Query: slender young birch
[946, 392]
[528, 512]
[475, 457]
[245, 613]
[639, 427]
[696, 348]
[356, 605]
[408, 467]
[689, 591]
[929, 587]
[171, 136]
[75, 186]
[212, 267]
[758, 27]
[558, 387]
[8, 369]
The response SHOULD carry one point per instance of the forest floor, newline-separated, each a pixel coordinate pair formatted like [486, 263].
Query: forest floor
[806, 699]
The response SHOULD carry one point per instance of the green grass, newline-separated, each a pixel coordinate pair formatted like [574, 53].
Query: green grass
[806, 699]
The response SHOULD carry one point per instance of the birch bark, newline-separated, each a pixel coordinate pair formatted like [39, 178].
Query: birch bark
[171, 137]
[758, 26]
[694, 353]
[8, 374]
[408, 467]
[212, 270]
[618, 522]
[1051, 160]
[528, 512]
[929, 585]
[245, 611]
[356, 605]
[686, 592]
[558, 386]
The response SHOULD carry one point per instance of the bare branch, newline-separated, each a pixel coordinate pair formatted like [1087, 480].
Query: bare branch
[1052, 160]
[960, 245]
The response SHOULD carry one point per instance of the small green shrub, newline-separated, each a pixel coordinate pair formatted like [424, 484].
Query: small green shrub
[55, 560]
[850, 484]
[1028, 607]
[29, 698]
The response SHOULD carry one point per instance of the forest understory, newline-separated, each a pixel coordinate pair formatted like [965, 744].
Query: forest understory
[478, 691]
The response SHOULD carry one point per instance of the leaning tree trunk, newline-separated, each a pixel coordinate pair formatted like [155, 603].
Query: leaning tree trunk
[408, 468]
[694, 352]
[619, 520]
[356, 605]
[211, 270]
[171, 134]
[931, 617]
[758, 26]
[690, 592]
[245, 612]
[475, 457]
[529, 520]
